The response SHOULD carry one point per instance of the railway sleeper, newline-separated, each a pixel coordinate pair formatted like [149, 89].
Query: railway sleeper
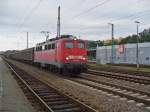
[60, 102]
[70, 110]
[55, 99]
[63, 106]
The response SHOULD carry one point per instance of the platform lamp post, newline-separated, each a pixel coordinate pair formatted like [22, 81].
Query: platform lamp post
[137, 46]
[112, 48]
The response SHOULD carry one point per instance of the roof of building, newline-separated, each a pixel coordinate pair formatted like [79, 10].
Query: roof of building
[147, 44]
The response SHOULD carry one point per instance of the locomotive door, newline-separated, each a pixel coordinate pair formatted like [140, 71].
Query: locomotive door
[56, 47]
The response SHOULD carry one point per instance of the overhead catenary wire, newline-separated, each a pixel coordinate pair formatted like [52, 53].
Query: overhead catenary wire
[27, 17]
[23, 14]
[138, 14]
[133, 15]
[88, 10]
[122, 18]
[81, 2]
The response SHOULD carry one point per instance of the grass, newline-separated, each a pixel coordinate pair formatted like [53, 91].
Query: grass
[106, 66]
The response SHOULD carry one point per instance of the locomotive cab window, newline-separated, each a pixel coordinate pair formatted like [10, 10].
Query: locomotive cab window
[68, 45]
[80, 45]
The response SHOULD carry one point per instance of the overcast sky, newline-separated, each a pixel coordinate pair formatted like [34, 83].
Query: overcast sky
[87, 19]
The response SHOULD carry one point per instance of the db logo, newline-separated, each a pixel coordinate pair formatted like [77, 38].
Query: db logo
[120, 48]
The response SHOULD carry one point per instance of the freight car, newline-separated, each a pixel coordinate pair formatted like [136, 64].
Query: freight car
[66, 54]
[26, 55]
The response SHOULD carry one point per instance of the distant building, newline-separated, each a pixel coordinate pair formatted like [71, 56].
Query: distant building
[124, 54]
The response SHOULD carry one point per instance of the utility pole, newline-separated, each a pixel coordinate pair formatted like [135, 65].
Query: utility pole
[27, 40]
[137, 46]
[112, 44]
[58, 23]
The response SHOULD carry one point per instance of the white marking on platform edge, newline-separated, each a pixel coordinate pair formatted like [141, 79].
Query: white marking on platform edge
[1, 88]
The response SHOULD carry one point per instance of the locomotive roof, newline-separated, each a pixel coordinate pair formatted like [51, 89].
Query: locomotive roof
[54, 39]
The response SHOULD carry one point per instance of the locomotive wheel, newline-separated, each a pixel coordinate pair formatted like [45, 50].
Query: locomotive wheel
[50, 68]
[56, 70]
[65, 71]
[60, 70]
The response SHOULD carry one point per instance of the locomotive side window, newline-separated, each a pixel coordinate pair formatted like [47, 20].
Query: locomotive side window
[40, 48]
[68, 45]
[53, 46]
[81, 45]
[45, 47]
[49, 46]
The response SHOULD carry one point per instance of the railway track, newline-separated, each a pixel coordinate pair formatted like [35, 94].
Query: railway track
[132, 73]
[133, 95]
[120, 76]
[48, 98]
[115, 86]
[144, 74]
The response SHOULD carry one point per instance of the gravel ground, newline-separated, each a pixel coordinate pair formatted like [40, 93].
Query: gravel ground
[99, 100]
[122, 82]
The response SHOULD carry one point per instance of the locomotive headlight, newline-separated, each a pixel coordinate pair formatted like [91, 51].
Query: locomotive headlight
[75, 38]
[84, 58]
[67, 58]
[75, 57]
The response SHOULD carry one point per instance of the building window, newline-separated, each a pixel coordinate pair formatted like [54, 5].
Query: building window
[147, 58]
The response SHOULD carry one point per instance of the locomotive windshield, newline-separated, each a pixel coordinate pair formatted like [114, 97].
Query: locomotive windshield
[68, 45]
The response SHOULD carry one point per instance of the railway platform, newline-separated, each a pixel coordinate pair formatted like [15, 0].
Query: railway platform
[12, 99]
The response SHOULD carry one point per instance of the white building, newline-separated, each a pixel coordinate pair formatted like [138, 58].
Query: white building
[123, 54]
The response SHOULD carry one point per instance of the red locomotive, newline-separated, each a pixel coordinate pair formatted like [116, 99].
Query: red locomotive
[64, 54]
